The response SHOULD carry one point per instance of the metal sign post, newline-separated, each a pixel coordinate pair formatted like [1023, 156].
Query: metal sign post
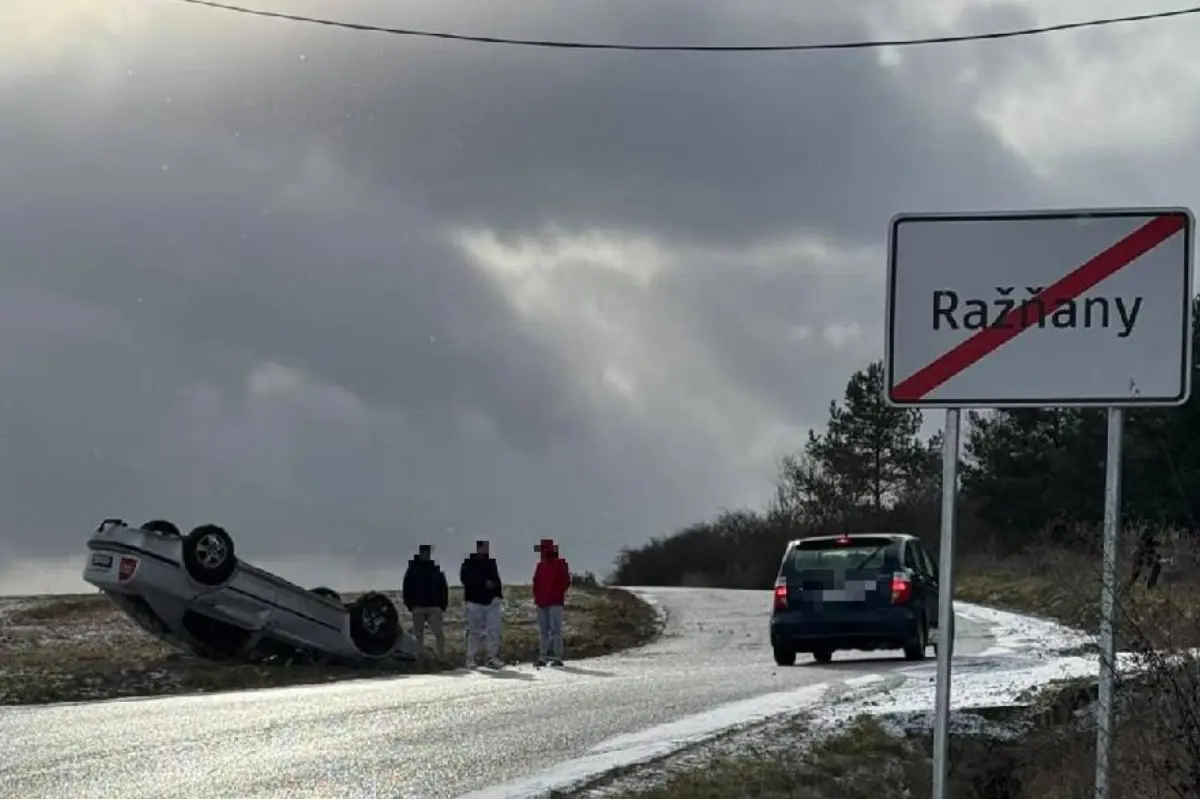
[945, 638]
[1037, 309]
[1106, 717]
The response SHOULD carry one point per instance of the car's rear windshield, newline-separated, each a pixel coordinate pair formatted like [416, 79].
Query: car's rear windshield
[861, 552]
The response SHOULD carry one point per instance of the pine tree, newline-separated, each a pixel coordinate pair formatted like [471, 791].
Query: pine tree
[870, 456]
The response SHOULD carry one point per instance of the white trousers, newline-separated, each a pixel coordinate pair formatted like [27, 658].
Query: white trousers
[483, 626]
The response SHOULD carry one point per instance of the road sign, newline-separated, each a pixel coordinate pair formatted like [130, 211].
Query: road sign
[1048, 308]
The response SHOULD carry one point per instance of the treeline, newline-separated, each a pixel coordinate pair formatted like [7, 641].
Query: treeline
[1025, 473]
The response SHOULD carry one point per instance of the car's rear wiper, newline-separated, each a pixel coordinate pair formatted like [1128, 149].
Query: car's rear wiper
[869, 556]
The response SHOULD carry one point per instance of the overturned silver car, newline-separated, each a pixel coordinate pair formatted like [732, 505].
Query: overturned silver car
[194, 592]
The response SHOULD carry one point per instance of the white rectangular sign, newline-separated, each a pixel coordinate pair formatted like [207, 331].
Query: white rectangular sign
[1088, 307]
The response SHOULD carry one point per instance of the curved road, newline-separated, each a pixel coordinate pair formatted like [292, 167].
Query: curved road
[419, 736]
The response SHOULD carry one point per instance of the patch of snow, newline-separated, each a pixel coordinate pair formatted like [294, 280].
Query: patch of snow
[962, 723]
[1017, 633]
[660, 611]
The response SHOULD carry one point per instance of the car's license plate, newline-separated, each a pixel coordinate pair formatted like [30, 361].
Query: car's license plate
[855, 590]
[103, 560]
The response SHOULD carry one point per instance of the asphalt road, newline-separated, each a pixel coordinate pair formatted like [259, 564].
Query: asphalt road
[420, 736]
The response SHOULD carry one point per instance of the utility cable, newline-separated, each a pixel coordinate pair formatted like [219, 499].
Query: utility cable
[867, 44]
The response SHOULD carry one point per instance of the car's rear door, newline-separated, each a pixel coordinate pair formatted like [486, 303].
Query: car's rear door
[849, 573]
[923, 582]
[929, 582]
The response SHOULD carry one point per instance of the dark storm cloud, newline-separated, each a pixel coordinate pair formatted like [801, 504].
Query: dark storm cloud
[721, 147]
[236, 295]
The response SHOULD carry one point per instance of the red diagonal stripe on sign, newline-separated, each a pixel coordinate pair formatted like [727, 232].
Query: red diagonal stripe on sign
[1075, 283]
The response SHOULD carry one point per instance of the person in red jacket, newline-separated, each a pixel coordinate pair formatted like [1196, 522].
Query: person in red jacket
[551, 580]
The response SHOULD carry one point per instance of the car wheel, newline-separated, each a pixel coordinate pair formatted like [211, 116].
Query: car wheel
[374, 624]
[208, 555]
[325, 591]
[823, 655]
[785, 656]
[163, 526]
[915, 649]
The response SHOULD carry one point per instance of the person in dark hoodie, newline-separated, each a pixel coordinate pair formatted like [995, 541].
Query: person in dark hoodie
[483, 596]
[426, 596]
[551, 580]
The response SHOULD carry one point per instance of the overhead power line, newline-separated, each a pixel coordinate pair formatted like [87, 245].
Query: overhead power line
[867, 44]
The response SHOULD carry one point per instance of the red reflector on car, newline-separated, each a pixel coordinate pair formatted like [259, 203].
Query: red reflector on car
[844, 539]
[126, 568]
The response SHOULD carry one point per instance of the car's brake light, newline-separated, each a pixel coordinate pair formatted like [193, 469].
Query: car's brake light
[901, 588]
[126, 568]
[781, 595]
[844, 539]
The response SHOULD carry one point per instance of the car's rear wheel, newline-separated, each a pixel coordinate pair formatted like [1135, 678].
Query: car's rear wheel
[208, 555]
[822, 655]
[785, 656]
[914, 650]
[163, 526]
[374, 624]
[325, 591]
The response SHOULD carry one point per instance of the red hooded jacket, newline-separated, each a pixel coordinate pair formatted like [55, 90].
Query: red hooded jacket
[551, 579]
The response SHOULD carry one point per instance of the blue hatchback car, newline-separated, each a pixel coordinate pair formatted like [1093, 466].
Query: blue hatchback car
[869, 591]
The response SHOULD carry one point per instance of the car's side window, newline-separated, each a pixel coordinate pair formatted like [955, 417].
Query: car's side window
[931, 567]
[912, 560]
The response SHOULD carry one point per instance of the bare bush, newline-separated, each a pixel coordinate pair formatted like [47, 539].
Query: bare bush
[1156, 749]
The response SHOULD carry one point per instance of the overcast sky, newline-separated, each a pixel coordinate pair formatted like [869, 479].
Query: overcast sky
[344, 293]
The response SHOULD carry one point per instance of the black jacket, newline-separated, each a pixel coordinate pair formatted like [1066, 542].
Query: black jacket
[425, 585]
[480, 578]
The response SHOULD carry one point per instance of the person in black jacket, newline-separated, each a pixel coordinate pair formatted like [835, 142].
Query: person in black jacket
[426, 596]
[483, 595]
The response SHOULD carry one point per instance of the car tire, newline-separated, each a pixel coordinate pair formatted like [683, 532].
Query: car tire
[822, 655]
[915, 649]
[374, 624]
[163, 526]
[785, 656]
[325, 591]
[208, 555]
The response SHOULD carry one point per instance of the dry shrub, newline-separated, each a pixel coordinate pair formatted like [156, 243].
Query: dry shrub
[1059, 578]
[1156, 751]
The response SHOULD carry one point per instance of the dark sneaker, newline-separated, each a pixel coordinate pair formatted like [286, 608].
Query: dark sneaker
[556, 662]
[541, 662]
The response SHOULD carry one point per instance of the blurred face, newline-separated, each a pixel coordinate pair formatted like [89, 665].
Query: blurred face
[481, 549]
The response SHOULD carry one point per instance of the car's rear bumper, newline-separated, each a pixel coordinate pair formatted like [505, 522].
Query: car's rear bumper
[146, 556]
[876, 628]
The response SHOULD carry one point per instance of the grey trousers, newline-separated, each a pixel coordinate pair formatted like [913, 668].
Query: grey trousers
[550, 632]
[433, 617]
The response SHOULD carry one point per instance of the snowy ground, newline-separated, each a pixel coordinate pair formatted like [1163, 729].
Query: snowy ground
[1026, 654]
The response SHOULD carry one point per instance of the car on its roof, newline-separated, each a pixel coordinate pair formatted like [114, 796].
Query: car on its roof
[195, 592]
[860, 591]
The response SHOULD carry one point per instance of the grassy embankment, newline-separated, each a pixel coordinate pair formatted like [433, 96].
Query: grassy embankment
[81, 647]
